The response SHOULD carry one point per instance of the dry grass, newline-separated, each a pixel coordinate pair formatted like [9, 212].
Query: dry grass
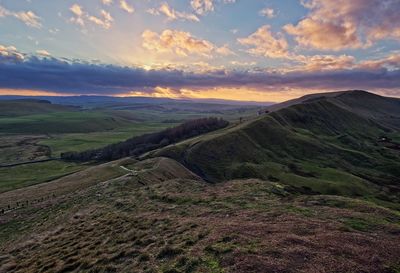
[184, 225]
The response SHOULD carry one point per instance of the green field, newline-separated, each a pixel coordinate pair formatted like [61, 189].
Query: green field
[62, 122]
[78, 142]
[30, 174]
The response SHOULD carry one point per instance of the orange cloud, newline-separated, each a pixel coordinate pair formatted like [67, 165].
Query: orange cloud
[264, 43]
[324, 35]
[391, 62]
[322, 63]
[27, 92]
[341, 24]
[10, 53]
[181, 43]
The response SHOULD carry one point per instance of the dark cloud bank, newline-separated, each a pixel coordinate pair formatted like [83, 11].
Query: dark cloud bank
[78, 77]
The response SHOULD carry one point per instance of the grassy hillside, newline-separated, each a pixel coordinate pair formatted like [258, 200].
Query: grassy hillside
[162, 218]
[318, 146]
[30, 174]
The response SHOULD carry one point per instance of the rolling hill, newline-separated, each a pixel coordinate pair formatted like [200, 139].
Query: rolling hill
[333, 144]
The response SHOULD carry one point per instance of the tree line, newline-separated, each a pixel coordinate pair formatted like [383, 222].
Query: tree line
[136, 146]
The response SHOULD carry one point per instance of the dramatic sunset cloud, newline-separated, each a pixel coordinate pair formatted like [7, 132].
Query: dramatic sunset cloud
[75, 77]
[340, 24]
[181, 43]
[200, 48]
[263, 42]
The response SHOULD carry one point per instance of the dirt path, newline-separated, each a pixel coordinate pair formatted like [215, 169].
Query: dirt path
[133, 172]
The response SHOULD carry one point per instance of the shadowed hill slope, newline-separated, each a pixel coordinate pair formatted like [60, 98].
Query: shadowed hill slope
[359, 101]
[328, 144]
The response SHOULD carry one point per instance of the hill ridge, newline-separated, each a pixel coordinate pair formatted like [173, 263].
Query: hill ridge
[333, 134]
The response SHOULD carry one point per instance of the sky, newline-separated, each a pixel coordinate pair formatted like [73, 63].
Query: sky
[253, 50]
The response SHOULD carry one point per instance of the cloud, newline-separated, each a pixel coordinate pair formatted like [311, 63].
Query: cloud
[104, 21]
[29, 18]
[264, 43]
[76, 10]
[391, 62]
[19, 71]
[43, 53]
[202, 7]
[181, 43]
[3, 12]
[81, 17]
[343, 24]
[316, 63]
[224, 50]
[172, 14]
[10, 54]
[267, 12]
[324, 35]
[107, 2]
[126, 7]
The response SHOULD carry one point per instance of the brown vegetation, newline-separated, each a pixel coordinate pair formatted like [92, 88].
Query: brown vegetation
[137, 223]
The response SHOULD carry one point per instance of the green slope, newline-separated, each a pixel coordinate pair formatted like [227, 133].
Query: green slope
[320, 146]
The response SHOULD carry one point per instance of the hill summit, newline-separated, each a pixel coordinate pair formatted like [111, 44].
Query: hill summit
[318, 143]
